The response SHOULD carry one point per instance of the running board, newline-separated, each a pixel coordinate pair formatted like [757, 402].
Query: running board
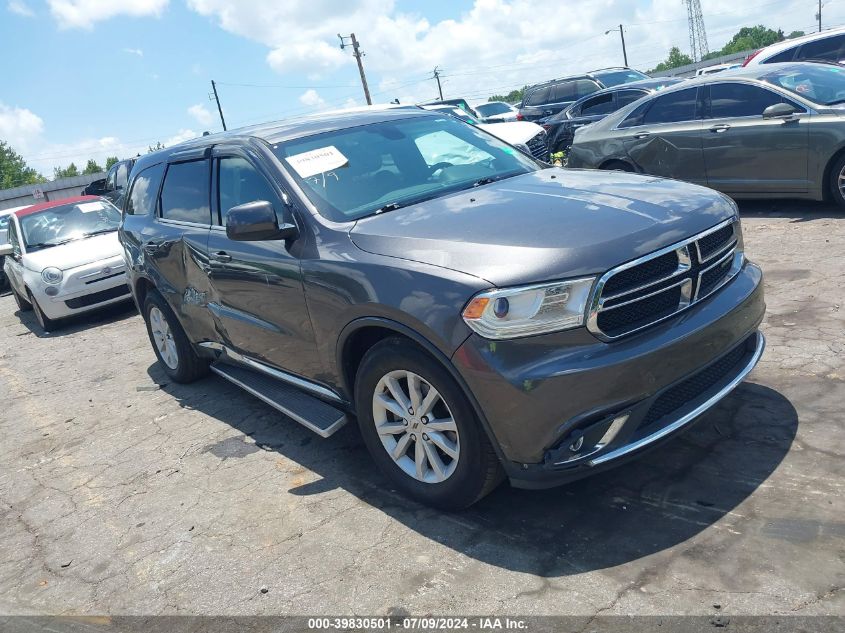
[310, 412]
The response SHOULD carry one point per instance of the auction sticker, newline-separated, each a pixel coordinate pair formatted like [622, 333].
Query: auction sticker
[317, 161]
[88, 207]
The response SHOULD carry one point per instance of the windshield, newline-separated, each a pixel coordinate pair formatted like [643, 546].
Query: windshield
[612, 78]
[348, 174]
[490, 109]
[820, 83]
[67, 223]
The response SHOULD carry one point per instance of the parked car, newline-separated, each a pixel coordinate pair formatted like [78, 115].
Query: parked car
[529, 137]
[482, 317]
[768, 131]
[63, 258]
[718, 68]
[594, 107]
[496, 112]
[4, 238]
[113, 186]
[551, 97]
[826, 45]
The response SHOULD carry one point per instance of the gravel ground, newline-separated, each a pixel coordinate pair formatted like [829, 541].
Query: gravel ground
[122, 494]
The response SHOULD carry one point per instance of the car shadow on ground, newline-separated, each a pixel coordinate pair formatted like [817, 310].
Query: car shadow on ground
[668, 496]
[798, 210]
[109, 314]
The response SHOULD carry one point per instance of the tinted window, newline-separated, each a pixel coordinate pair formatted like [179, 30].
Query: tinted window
[636, 116]
[184, 195]
[122, 175]
[541, 95]
[239, 183]
[617, 77]
[490, 109]
[785, 56]
[110, 179]
[626, 97]
[736, 100]
[603, 104]
[142, 198]
[572, 90]
[672, 108]
[829, 48]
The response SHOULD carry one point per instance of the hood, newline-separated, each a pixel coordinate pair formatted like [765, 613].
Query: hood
[75, 254]
[512, 132]
[548, 224]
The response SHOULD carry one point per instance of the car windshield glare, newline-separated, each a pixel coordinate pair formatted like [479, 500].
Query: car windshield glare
[351, 173]
[617, 77]
[820, 83]
[69, 222]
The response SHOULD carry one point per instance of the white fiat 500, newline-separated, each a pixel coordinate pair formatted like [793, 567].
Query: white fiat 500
[63, 258]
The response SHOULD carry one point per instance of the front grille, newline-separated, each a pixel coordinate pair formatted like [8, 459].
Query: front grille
[698, 384]
[539, 146]
[98, 297]
[648, 290]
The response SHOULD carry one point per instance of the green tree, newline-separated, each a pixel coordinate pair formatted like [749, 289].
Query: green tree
[795, 34]
[14, 171]
[676, 58]
[66, 172]
[751, 37]
[512, 97]
[92, 167]
[111, 160]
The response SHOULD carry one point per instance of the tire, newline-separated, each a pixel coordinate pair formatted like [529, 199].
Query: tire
[47, 324]
[170, 343]
[837, 191]
[617, 165]
[23, 304]
[437, 478]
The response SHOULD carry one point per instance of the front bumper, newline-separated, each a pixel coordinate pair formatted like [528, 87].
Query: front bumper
[83, 288]
[562, 406]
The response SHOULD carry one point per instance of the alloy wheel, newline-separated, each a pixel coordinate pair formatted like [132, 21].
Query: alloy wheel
[416, 427]
[163, 338]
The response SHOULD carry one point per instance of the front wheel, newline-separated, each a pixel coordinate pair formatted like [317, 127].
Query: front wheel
[420, 428]
[170, 343]
[47, 324]
[836, 182]
[23, 304]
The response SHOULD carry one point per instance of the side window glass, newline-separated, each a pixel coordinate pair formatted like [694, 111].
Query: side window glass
[13, 238]
[110, 179]
[145, 186]
[830, 48]
[739, 100]
[636, 116]
[784, 56]
[122, 176]
[626, 97]
[674, 107]
[603, 104]
[185, 193]
[539, 96]
[239, 182]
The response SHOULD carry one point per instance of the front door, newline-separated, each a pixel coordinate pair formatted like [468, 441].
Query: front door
[257, 295]
[12, 264]
[745, 153]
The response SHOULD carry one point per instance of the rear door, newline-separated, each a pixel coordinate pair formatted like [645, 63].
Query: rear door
[745, 153]
[257, 295]
[663, 136]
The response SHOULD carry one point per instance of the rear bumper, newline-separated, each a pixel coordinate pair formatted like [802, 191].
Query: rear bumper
[541, 395]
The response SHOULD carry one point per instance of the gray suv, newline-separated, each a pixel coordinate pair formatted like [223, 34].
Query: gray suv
[480, 314]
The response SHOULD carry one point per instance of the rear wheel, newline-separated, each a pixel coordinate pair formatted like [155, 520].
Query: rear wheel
[420, 429]
[47, 324]
[170, 343]
[836, 181]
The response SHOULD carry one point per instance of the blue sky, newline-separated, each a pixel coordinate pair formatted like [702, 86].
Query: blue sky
[97, 77]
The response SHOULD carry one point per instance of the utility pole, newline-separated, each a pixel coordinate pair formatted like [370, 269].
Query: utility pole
[217, 99]
[357, 54]
[819, 16]
[622, 35]
[437, 77]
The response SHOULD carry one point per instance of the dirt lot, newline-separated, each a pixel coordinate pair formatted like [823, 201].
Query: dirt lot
[122, 494]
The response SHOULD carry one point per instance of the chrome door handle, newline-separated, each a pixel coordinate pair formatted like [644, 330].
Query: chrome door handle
[718, 129]
[642, 135]
[221, 256]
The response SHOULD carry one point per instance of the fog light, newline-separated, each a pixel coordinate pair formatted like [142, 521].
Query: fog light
[51, 291]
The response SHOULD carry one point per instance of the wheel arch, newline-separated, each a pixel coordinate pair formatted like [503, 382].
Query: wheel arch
[825, 183]
[617, 161]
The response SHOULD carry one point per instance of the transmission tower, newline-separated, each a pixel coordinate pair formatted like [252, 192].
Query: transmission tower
[697, 34]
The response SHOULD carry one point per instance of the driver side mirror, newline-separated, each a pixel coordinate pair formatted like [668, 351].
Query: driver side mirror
[6, 250]
[256, 221]
[97, 186]
[780, 110]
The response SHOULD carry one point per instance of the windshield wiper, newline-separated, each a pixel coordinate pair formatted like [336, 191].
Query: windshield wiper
[390, 206]
[49, 244]
[100, 232]
[484, 181]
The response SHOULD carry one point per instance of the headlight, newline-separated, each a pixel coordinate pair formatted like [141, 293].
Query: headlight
[513, 312]
[51, 275]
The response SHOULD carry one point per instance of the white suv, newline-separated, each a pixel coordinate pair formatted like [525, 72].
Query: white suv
[828, 46]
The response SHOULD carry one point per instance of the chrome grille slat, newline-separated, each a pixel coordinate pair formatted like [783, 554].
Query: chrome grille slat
[698, 257]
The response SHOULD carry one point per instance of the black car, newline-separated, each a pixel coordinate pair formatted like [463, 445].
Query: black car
[113, 186]
[481, 314]
[550, 97]
[561, 126]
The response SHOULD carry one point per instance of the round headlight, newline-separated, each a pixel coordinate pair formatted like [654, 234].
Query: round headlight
[51, 275]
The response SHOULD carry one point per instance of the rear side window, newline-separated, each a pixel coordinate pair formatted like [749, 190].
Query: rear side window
[142, 198]
[239, 182]
[830, 48]
[602, 104]
[626, 97]
[672, 108]
[184, 195]
[572, 90]
[784, 56]
[538, 97]
[739, 100]
[635, 118]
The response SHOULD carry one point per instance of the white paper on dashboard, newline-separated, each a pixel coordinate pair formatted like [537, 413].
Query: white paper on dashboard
[88, 207]
[317, 161]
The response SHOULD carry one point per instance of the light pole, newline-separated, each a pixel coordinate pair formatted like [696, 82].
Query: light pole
[622, 35]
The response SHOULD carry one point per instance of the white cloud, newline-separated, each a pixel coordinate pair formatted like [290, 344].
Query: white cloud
[202, 114]
[20, 127]
[134, 51]
[85, 13]
[180, 137]
[21, 8]
[311, 98]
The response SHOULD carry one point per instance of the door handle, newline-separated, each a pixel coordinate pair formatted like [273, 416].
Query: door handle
[642, 135]
[221, 256]
[718, 129]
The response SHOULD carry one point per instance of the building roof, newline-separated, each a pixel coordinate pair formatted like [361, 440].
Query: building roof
[35, 208]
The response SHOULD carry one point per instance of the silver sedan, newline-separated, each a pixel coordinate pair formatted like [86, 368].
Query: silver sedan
[774, 131]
